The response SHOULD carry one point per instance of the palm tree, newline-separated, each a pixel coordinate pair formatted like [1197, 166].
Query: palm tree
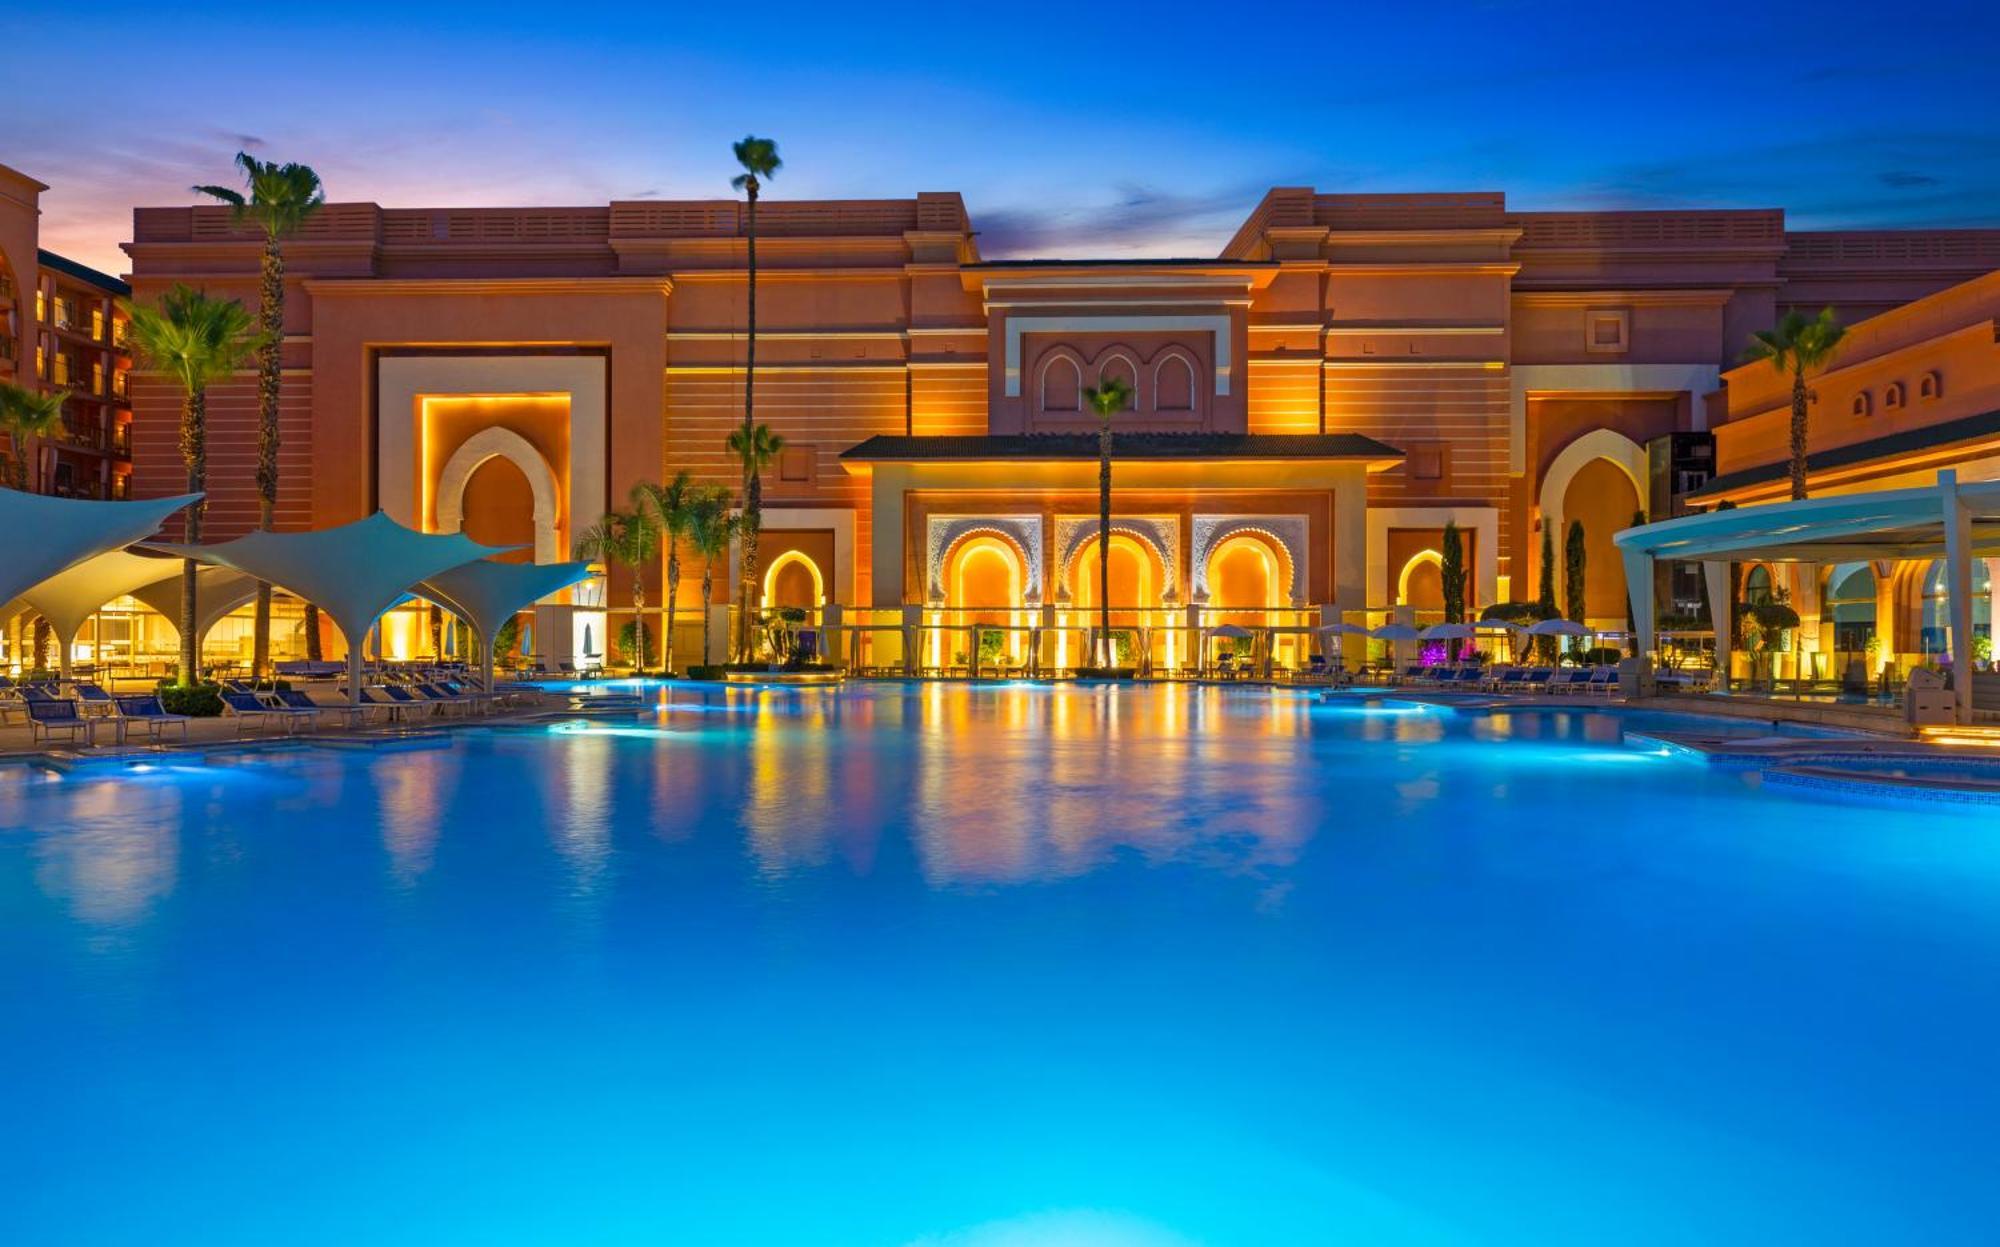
[755, 449]
[28, 416]
[711, 527]
[630, 538]
[281, 198]
[672, 508]
[1798, 345]
[1107, 398]
[196, 340]
[759, 159]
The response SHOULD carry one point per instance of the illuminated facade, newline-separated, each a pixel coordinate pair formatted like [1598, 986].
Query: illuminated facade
[1312, 405]
[1908, 392]
[61, 329]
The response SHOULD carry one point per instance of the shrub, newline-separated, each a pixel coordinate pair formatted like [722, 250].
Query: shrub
[630, 649]
[706, 671]
[1523, 613]
[1600, 656]
[200, 701]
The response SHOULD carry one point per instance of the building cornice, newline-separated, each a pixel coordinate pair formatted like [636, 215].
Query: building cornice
[337, 287]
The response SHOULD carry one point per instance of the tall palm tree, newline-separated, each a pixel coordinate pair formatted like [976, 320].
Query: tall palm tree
[280, 199]
[195, 340]
[1107, 398]
[1798, 345]
[672, 507]
[759, 160]
[711, 527]
[28, 416]
[755, 448]
[630, 538]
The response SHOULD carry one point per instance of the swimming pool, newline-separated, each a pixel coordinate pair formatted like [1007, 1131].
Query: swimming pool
[992, 966]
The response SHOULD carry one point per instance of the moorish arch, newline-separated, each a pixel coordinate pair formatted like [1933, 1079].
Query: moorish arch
[1285, 535]
[1159, 537]
[945, 535]
[1421, 581]
[502, 443]
[1608, 444]
[1137, 571]
[986, 574]
[794, 579]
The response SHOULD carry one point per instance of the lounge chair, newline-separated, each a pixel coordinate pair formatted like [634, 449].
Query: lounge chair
[400, 697]
[145, 708]
[1537, 679]
[1602, 680]
[1507, 679]
[247, 710]
[50, 715]
[441, 697]
[377, 697]
[93, 700]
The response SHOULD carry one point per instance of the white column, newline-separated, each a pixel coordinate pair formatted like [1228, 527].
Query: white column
[1958, 578]
[1639, 587]
[1721, 616]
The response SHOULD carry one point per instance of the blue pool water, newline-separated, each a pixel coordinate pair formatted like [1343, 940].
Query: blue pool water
[991, 967]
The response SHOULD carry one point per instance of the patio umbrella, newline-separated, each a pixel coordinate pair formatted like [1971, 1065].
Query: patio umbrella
[1446, 632]
[1231, 631]
[1342, 629]
[1395, 632]
[1557, 627]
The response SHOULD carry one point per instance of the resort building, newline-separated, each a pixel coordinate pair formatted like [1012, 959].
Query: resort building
[1312, 405]
[61, 330]
[1908, 392]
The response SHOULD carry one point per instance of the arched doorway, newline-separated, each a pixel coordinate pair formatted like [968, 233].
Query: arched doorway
[1848, 603]
[1421, 582]
[1601, 495]
[1934, 609]
[1247, 579]
[793, 579]
[984, 575]
[498, 489]
[1137, 574]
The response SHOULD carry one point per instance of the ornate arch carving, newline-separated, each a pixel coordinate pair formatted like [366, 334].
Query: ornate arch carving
[1159, 533]
[1288, 534]
[944, 533]
[501, 443]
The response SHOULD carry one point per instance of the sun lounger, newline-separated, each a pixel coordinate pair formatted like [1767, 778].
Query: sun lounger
[441, 697]
[47, 716]
[249, 711]
[93, 700]
[397, 708]
[144, 709]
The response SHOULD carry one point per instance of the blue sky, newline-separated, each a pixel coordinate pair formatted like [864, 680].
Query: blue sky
[1115, 129]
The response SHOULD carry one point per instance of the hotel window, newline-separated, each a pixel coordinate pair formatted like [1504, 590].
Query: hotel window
[41, 306]
[796, 464]
[1931, 386]
[97, 323]
[1864, 404]
[1892, 396]
[1606, 332]
[1425, 463]
[97, 378]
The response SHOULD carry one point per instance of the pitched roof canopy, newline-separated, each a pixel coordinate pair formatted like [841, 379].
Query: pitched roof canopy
[1840, 528]
[353, 572]
[51, 535]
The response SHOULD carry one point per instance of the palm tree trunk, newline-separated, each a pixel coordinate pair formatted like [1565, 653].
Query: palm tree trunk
[312, 633]
[752, 485]
[194, 453]
[1104, 543]
[707, 595]
[639, 616]
[1798, 433]
[270, 361]
[673, 591]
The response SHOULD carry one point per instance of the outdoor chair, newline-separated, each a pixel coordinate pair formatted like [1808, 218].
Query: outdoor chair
[47, 716]
[441, 697]
[377, 697]
[145, 709]
[248, 711]
[93, 700]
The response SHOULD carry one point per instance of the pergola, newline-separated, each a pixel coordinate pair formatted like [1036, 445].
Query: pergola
[1947, 520]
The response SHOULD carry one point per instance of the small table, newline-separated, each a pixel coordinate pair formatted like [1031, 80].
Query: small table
[115, 722]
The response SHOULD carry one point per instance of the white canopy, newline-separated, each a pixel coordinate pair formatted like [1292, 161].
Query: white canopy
[353, 572]
[45, 536]
[487, 594]
[1342, 629]
[1447, 632]
[1233, 631]
[70, 597]
[1948, 520]
[1557, 627]
[1395, 632]
[217, 591]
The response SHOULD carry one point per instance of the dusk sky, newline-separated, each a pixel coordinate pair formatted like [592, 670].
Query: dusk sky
[1116, 129]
